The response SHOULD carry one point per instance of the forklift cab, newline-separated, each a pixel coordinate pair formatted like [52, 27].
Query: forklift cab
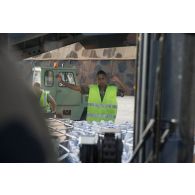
[70, 104]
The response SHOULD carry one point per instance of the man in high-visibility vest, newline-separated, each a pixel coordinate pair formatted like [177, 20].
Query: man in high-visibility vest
[47, 102]
[102, 102]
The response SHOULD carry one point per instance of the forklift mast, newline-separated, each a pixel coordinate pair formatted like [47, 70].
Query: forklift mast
[165, 94]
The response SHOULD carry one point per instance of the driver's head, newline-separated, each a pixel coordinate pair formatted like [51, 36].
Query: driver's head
[101, 78]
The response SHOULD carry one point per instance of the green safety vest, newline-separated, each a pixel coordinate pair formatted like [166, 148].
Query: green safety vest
[43, 101]
[106, 109]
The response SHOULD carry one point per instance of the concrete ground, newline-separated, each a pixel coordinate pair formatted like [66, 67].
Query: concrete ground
[125, 109]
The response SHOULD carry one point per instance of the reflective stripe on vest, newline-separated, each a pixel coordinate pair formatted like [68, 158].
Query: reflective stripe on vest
[43, 101]
[102, 105]
[105, 116]
[106, 109]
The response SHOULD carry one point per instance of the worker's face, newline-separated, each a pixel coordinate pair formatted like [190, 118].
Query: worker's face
[101, 80]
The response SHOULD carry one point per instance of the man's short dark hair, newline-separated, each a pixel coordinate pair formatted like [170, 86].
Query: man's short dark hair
[101, 72]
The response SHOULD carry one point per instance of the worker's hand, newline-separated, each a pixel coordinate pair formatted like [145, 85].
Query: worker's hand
[122, 85]
[115, 79]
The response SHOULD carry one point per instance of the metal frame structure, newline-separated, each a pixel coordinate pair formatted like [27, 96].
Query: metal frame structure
[170, 84]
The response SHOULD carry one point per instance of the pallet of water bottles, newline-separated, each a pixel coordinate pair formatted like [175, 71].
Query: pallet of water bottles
[67, 134]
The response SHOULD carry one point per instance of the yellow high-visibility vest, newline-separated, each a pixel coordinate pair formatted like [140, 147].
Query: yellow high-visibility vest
[106, 109]
[43, 101]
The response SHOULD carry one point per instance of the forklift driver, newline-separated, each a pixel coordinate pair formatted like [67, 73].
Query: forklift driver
[47, 102]
[102, 101]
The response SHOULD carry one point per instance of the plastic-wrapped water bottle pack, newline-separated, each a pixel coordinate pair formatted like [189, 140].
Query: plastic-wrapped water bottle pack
[69, 149]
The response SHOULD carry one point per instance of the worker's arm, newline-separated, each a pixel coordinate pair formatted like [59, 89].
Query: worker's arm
[52, 103]
[70, 86]
[120, 83]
